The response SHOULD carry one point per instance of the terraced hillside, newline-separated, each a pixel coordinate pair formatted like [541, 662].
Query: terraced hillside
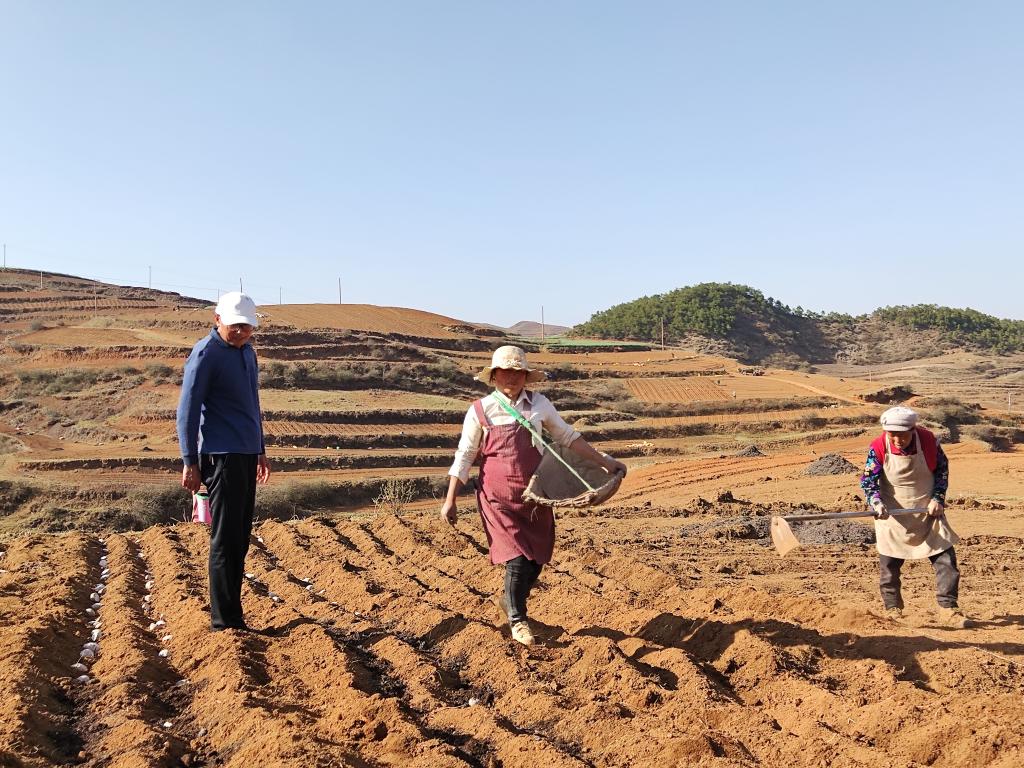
[671, 633]
[351, 394]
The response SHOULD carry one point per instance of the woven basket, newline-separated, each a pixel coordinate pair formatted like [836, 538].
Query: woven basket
[552, 485]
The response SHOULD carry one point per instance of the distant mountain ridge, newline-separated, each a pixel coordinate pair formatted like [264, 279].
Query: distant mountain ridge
[533, 330]
[741, 322]
[727, 319]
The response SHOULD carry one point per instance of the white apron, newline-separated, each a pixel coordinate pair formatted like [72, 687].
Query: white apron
[908, 483]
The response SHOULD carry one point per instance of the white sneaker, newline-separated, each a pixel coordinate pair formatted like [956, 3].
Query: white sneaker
[953, 618]
[522, 633]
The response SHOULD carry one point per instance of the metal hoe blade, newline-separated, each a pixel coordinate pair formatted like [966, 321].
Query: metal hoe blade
[782, 537]
[785, 541]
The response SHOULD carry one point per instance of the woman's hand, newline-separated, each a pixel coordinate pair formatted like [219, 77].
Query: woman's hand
[450, 512]
[614, 465]
[935, 508]
[881, 513]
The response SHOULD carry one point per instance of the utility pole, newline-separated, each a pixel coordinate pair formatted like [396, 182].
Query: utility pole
[663, 333]
[40, 279]
[542, 329]
[151, 278]
[5, 255]
[339, 290]
[279, 294]
[240, 285]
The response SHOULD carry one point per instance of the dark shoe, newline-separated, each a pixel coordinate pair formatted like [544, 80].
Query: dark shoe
[241, 626]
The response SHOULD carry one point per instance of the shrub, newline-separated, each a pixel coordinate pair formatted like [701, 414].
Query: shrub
[438, 378]
[395, 493]
[159, 373]
[10, 444]
[565, 372]
[997, 438]
[13, 495]
[143, 507]
[43, 382]
[950, 412]
[288, 500]
[608, 391]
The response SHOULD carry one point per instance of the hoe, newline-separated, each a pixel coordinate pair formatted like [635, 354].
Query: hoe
[785, 541]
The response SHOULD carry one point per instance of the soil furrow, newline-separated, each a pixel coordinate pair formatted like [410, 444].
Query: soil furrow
[131, 712]
[249, 712]
[54, 578]
[424, 636]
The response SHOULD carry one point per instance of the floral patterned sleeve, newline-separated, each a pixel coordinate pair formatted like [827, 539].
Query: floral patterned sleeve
[941, 476]
[870, 481]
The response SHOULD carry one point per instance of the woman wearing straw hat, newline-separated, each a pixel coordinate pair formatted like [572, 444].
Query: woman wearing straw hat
[519, 534]
[907, 469]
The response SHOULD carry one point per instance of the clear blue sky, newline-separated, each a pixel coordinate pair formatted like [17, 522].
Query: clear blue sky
[482, 159]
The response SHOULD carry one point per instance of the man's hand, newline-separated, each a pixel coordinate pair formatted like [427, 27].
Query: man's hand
[262, 470]
[449, 512]
[881, 513]
[936, 508]
[190, 479]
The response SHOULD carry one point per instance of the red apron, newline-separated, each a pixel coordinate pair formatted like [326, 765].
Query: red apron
[514, 527]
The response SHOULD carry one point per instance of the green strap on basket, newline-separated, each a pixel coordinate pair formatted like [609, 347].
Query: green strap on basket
[529, 427]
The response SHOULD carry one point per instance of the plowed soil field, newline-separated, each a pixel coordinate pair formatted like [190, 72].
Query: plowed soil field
[676, 390]
[378, 643]
[365, 317]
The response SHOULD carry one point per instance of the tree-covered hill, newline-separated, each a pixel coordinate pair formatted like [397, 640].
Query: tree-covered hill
[744, 323]
[962, 327]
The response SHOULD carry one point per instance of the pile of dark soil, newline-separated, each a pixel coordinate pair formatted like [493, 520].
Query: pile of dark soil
[820, 532]
[750, 450]
[816, 533]
[740, 527]
[830, 464]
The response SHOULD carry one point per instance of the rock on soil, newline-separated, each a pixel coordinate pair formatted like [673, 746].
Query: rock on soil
[830, 464]
[750, 450]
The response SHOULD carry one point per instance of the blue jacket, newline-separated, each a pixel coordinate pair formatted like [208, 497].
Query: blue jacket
[219, 409]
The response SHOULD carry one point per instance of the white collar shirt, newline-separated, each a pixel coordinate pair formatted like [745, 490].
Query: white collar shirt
[533, 406]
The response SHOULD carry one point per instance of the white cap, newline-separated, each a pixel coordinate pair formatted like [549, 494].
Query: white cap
[899, 418]
[235, 307]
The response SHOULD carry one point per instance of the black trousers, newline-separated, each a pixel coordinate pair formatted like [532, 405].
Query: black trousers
[230, 479]
[520, 576]
[947, 579]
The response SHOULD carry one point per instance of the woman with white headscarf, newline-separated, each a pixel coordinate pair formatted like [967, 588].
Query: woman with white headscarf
[906, 468]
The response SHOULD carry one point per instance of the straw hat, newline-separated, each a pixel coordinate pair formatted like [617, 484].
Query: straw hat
[511, 359]
[899, 418]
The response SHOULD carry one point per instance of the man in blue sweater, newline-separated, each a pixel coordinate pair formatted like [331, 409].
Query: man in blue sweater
[220, 431]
